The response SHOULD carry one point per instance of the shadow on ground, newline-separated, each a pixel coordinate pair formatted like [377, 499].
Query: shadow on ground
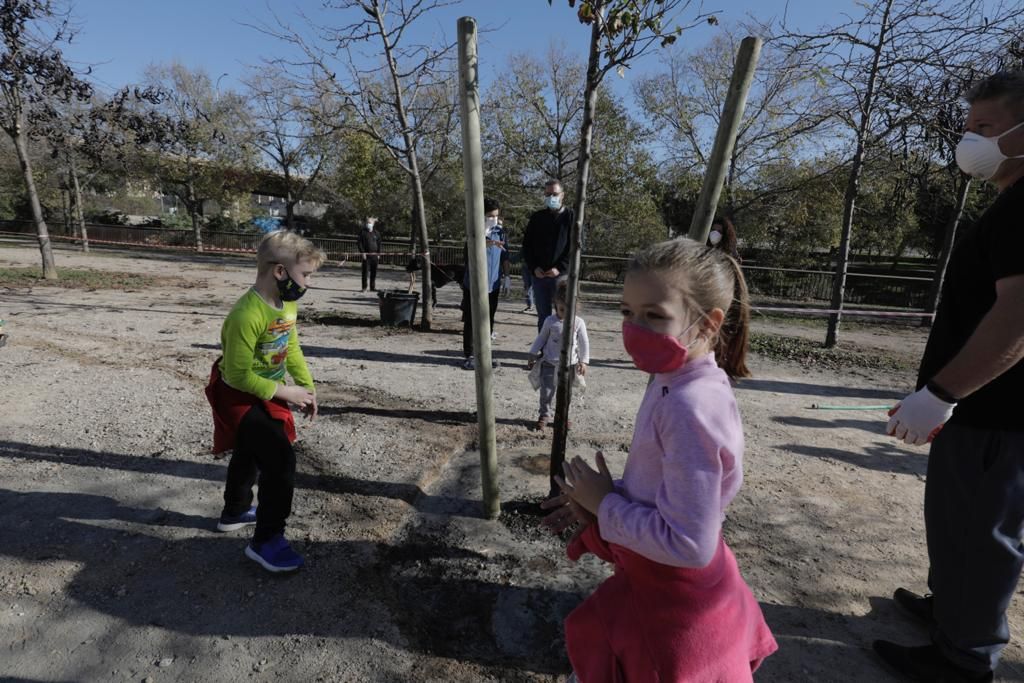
[882, 456]
[803, 389]
[416, 595]
[211, 470]
[876, 426]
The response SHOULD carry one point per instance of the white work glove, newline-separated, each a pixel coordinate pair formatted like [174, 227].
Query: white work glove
[917, 418]
[506, 284]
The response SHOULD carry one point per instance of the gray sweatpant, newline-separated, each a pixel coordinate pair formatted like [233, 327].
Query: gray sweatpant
[548, 386]
[974, 520]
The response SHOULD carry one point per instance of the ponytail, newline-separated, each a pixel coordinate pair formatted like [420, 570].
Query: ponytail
[707, 278]
[733, 337]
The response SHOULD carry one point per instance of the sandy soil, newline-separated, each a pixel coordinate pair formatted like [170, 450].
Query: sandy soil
[111, 569]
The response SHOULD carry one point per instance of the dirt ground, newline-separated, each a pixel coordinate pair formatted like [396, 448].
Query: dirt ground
[112, 570]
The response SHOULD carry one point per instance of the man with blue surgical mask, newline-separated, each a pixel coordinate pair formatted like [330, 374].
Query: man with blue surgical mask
[546, 247]
[969, 405]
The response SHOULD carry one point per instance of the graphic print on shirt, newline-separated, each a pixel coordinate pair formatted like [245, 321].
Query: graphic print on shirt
[272, 348]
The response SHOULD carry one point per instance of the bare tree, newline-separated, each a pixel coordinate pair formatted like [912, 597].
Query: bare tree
[63, 127]
[196, 137]
[397, 92]
[289, 131]
[785, 105]
[892, 46]
[33, 79]
[536, 120]
[621, 31]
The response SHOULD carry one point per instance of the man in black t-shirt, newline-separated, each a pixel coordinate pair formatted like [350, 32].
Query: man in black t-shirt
[970, 405]
[545, 247]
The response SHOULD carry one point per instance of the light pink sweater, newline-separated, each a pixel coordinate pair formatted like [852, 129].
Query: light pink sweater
[683, 470]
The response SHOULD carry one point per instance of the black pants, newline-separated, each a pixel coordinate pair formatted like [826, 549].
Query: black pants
[370, 266]
[261, 448]
[974, 520]
[467, 318]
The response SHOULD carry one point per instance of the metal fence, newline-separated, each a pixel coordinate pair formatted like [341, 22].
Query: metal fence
[788, 284]
[793, 284]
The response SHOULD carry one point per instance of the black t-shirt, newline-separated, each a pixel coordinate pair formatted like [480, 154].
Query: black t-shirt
[992, 250]
[546, 240]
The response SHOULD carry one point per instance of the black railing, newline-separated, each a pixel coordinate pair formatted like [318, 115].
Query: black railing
[788, 284]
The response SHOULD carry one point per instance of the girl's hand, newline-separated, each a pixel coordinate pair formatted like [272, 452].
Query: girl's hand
[530, 363]
[585, 485]
[566, 513]
[581, 369]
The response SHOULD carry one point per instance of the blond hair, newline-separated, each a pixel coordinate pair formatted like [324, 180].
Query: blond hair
[287, 248]
[708, 278]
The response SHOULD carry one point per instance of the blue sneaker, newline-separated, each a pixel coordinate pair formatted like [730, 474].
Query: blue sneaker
[275, 555]
[235, 523]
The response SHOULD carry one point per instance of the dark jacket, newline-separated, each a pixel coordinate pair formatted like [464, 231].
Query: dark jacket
[546, 240]
[369, 241]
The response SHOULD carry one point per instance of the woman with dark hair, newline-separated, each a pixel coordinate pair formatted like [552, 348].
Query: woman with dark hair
[723, 236]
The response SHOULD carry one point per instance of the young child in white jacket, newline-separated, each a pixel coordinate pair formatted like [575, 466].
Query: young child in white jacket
[547, 348]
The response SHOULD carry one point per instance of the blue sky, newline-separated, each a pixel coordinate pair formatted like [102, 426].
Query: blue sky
[119, 38]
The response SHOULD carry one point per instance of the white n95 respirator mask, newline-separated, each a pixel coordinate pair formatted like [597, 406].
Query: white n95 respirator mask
[979, 156]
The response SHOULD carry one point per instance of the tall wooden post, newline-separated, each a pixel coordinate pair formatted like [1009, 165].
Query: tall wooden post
[472, 168]
[725, 138]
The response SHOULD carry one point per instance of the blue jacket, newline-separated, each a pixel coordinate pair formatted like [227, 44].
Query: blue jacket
[495, 254]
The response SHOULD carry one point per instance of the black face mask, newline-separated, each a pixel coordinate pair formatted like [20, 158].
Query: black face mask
[289, 289]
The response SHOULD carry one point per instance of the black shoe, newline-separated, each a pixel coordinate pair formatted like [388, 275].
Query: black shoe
[919, 607]
[925, 663]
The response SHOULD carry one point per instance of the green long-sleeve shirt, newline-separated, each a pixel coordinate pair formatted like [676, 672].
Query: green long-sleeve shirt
[260, 343]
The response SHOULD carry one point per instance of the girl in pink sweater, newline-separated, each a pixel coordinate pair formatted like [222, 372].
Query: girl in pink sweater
[677, 608]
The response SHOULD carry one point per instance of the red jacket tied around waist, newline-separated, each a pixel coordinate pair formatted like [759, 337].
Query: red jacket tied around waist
[230, 406]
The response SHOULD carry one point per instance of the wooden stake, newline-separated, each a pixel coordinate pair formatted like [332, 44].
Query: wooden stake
[472, 167]
[725, 138]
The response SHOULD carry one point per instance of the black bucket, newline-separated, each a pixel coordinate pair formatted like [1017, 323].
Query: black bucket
[397, 307]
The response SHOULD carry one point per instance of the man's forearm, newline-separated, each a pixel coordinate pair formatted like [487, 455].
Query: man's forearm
[995, 346]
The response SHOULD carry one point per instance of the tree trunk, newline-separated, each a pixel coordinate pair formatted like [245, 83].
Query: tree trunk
[289, 202]
[79, 215]
[853, 184]
[427, 315]
[193, 210]
[413, 226]
[65, 207]
[947, 250]
[563, 394]
[843, 255]
[45, 248]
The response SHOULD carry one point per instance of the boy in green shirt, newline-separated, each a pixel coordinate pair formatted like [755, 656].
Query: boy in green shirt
[250, 399]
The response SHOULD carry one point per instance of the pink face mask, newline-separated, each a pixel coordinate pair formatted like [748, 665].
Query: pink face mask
[652, 351]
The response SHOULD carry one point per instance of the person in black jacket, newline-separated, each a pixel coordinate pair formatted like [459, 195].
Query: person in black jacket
[546, 247]
[369, 246]
[968, 406]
